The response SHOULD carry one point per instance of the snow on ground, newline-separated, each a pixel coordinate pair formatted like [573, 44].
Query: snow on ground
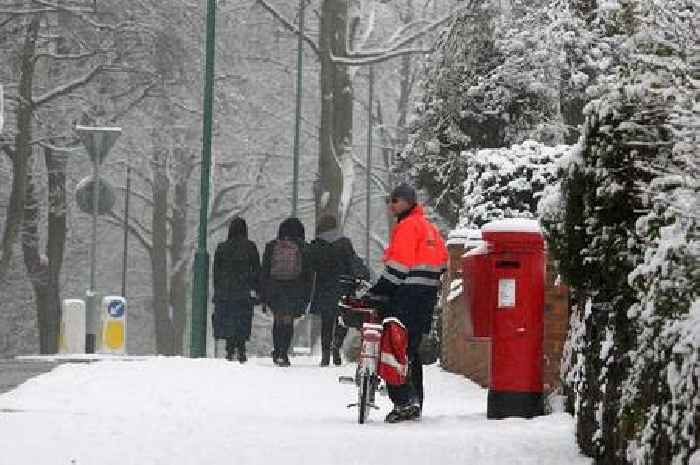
[179, 411]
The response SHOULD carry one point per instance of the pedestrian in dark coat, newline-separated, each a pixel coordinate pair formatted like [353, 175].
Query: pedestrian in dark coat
[236, 278]
[285, 284]
[332, 256]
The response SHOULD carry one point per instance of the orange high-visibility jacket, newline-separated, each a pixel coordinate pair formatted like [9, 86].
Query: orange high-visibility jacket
[416, 250]
[414, 260]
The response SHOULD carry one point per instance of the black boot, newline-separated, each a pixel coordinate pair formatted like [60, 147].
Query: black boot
[287, 334]
[337, 361]
[403, 413]
[230, 348]
[325, 358]
[276, 329]
[241, 353]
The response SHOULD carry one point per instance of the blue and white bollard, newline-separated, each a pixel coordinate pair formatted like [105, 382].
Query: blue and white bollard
[112, 326]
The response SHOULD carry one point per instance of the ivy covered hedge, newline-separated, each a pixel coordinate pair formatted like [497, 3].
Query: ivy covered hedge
[626, 236]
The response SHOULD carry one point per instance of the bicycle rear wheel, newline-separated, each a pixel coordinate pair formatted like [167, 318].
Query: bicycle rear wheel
[363, 393]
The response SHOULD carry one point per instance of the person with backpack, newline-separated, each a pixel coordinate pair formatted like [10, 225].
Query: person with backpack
[286, 281]
[236, 277]
[332, 256]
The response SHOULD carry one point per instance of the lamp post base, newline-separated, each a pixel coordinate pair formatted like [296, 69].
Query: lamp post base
[200, 293]
[90, 343]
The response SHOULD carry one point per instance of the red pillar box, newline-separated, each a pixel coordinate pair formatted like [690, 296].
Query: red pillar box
[517, 278]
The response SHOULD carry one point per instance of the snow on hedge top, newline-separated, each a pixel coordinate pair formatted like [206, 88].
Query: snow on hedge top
[508, 182]
[513, 225]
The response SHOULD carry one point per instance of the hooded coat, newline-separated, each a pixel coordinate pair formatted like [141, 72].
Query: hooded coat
[236, 276]
[332, 256]
[287, 297]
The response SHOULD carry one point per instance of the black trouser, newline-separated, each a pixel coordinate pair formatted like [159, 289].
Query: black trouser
[412, 389]
[332, 334]
[282, 333]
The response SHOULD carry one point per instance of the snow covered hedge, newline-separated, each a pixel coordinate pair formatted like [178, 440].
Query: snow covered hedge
[508, 182]
[503, 73]
[625, 229]
[485, 87]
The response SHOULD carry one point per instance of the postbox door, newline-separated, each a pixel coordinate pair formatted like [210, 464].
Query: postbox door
[509, 285]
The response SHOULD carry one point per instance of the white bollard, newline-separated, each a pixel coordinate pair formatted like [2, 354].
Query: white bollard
[71, 339]
[112, 333]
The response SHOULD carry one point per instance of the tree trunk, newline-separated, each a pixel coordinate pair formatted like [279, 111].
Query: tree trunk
[45, 270]
[178, 279]
[165, 340]
[56, 242]
[36, 264]
[22, 152]
[336, 111]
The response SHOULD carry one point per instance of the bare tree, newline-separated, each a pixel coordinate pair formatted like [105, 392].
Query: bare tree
[39, 55]
[345, 28]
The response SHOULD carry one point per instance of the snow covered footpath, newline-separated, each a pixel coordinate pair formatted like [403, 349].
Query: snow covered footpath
[178, 411]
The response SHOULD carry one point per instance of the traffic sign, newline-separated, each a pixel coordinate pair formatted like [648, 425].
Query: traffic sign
[98, 140]
[84, 193]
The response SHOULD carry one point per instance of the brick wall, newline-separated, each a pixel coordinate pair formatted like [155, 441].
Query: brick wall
[472, 358]
[556, 326]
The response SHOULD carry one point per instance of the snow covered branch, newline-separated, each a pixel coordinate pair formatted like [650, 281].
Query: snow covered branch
[68, 87]
[365, 57]
[79, 13]
[288, 24]
[28, 11]
[216, 210]
[116, 220]
[8, 150]
[376, 180]
[380, 58]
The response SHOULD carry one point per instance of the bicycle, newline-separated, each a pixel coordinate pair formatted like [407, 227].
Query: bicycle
[360, 314]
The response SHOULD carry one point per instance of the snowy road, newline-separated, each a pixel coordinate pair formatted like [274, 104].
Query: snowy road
[185, 412]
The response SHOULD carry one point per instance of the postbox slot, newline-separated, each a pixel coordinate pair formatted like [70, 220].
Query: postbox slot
[507, 264]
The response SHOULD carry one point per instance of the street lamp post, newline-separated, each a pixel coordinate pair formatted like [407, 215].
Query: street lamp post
[368, 188]
[200, 291]
[297, 125]
[125, 251]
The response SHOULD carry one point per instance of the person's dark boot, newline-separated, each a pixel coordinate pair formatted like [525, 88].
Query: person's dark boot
[241, 353]
[325, 358]
[337, 361]
[230, 349]
[403, 413]
[284, 361]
